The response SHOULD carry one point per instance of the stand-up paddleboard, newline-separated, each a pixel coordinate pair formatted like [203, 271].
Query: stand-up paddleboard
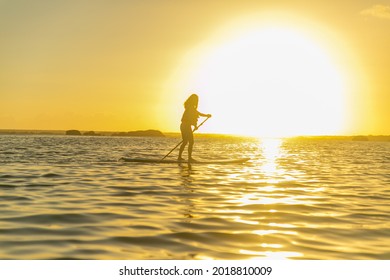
[149, 160]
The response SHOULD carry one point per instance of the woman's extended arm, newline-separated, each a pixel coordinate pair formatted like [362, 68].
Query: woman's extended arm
[204, 115]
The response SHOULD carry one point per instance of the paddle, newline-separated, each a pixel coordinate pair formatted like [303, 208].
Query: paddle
[196, 128]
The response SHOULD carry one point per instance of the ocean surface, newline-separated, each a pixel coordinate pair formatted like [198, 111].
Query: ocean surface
[65, 197]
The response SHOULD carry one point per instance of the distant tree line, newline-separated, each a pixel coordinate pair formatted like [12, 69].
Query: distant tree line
[139, 133]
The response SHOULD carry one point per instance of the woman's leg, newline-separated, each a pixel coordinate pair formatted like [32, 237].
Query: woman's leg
[182, 146]
[190, 145]
[185, 136]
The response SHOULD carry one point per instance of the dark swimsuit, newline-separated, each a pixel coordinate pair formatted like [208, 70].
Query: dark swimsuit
[190, 117]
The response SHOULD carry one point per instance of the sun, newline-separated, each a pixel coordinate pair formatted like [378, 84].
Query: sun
[270, 81]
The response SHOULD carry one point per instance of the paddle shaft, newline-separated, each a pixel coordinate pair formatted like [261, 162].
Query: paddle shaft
[182, 140]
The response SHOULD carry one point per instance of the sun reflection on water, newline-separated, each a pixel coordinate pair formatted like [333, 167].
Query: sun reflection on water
[270, 255]
[270, 190]
[272, 231]
[261, 213]
[271, 152]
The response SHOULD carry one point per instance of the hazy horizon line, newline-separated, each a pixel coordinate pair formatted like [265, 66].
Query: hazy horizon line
[57, 131]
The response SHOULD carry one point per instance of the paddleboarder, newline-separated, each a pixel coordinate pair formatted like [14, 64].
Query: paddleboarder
[189, 120]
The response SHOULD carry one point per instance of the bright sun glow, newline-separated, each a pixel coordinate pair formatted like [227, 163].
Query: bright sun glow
[270, 81]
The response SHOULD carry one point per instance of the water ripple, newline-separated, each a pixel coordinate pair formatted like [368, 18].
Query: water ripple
[69, 198]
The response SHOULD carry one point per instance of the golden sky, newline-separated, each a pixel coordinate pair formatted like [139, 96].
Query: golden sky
[281, 67]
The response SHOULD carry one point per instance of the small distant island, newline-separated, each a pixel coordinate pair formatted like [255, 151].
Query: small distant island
[360, 138]
[73, 132]
[137, 133]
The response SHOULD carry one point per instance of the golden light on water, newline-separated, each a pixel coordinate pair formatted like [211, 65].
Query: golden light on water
[271, 151]
[274, 197]
[271, 255]
[265, 210]
[272, 231]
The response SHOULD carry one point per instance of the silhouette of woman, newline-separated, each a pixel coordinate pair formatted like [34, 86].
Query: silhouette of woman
[189, 119]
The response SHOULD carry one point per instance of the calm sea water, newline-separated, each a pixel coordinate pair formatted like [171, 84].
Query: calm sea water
[65, 197]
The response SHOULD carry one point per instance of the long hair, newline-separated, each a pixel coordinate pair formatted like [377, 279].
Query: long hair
[192, 101]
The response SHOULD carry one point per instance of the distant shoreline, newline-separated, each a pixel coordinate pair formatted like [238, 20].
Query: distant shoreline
[157, 133]
[361, 138]
[74, 132]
